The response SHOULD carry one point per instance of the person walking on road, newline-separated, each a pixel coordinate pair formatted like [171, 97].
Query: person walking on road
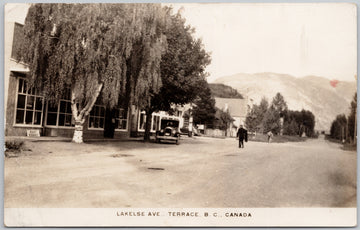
[269, 135]
[242, 135]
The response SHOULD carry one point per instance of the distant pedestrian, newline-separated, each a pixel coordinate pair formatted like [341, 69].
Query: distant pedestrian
[269, 136]
[242, 135]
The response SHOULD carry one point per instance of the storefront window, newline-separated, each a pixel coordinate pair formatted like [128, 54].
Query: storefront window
[60, 114]
[155, 123]
[97, 117]
[29, 106]
[142, 120]
[121, 119]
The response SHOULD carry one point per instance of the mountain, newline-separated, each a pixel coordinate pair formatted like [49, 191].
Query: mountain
[224, 91]
[312, 93]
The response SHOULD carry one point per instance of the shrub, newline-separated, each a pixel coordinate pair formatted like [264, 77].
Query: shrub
[14, 145]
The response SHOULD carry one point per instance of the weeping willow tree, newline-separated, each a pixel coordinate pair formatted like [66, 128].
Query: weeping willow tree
[144, 73]
[91, 48]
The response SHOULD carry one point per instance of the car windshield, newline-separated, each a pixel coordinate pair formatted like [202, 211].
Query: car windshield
[169, 123]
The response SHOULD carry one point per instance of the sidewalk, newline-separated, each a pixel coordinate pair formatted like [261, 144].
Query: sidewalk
[67, 139]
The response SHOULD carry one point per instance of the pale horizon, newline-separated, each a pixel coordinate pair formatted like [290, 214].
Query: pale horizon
[212, 80]
[298, 39]
[314, 40]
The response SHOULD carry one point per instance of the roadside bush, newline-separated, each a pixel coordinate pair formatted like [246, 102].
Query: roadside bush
[13, 146]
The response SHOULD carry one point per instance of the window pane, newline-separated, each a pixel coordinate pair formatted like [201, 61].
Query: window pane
[25, 87]
[19, 116]
[91, 122]
[29, 117]
[68, 120]
[30, 102]
[121, 114]
[62, 106]
[39, 103]
[142, 121]
[101, 123]
[96, 122]
[51, 119]
[96, 111]
[21, 81]
[21, 101]
[61, 119]
[123, 124]
[52, 107]
[154, 123]
[32, 91]
[102, 111]
[92, 111]
[117, 124]
[68, 107]
[37, 118]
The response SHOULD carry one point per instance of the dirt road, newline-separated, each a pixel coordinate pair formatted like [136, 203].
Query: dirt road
[201, 172]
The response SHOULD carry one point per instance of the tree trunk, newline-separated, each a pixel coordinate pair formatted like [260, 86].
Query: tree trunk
[78, 133]
[79, 116]
[147, 125]
[226, 127]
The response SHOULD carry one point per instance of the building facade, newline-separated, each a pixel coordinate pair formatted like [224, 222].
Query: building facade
[238, 110]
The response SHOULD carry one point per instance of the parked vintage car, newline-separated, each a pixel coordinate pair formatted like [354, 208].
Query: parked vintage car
[169, 131]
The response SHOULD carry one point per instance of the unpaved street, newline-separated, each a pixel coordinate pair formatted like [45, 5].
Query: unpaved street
[200, 172]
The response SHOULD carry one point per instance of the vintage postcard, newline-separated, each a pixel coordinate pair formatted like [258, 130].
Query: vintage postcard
[159, 114]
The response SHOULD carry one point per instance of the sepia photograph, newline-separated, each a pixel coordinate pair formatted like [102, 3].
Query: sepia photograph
[180, 114]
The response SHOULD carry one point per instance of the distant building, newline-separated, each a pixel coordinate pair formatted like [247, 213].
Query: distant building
[238, 109]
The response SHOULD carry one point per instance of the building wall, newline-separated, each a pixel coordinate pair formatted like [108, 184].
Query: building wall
[12, 129]
[215, 132]
[8, 38]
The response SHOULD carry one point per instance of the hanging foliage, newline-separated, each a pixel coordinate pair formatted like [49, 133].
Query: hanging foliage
[114, 49]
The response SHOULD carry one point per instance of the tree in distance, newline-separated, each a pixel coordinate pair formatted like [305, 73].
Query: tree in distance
[352, 120]
[299, 122]
[337, 130]
[344, 128]
[268, 118]
[204, 106]
[224, 91]
[254, 119]
[272, 116]
[223, 120]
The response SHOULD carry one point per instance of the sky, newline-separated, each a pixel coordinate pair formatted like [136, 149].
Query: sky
[298, 39]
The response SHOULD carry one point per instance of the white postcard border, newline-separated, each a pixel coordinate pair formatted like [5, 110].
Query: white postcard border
[182, 217]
